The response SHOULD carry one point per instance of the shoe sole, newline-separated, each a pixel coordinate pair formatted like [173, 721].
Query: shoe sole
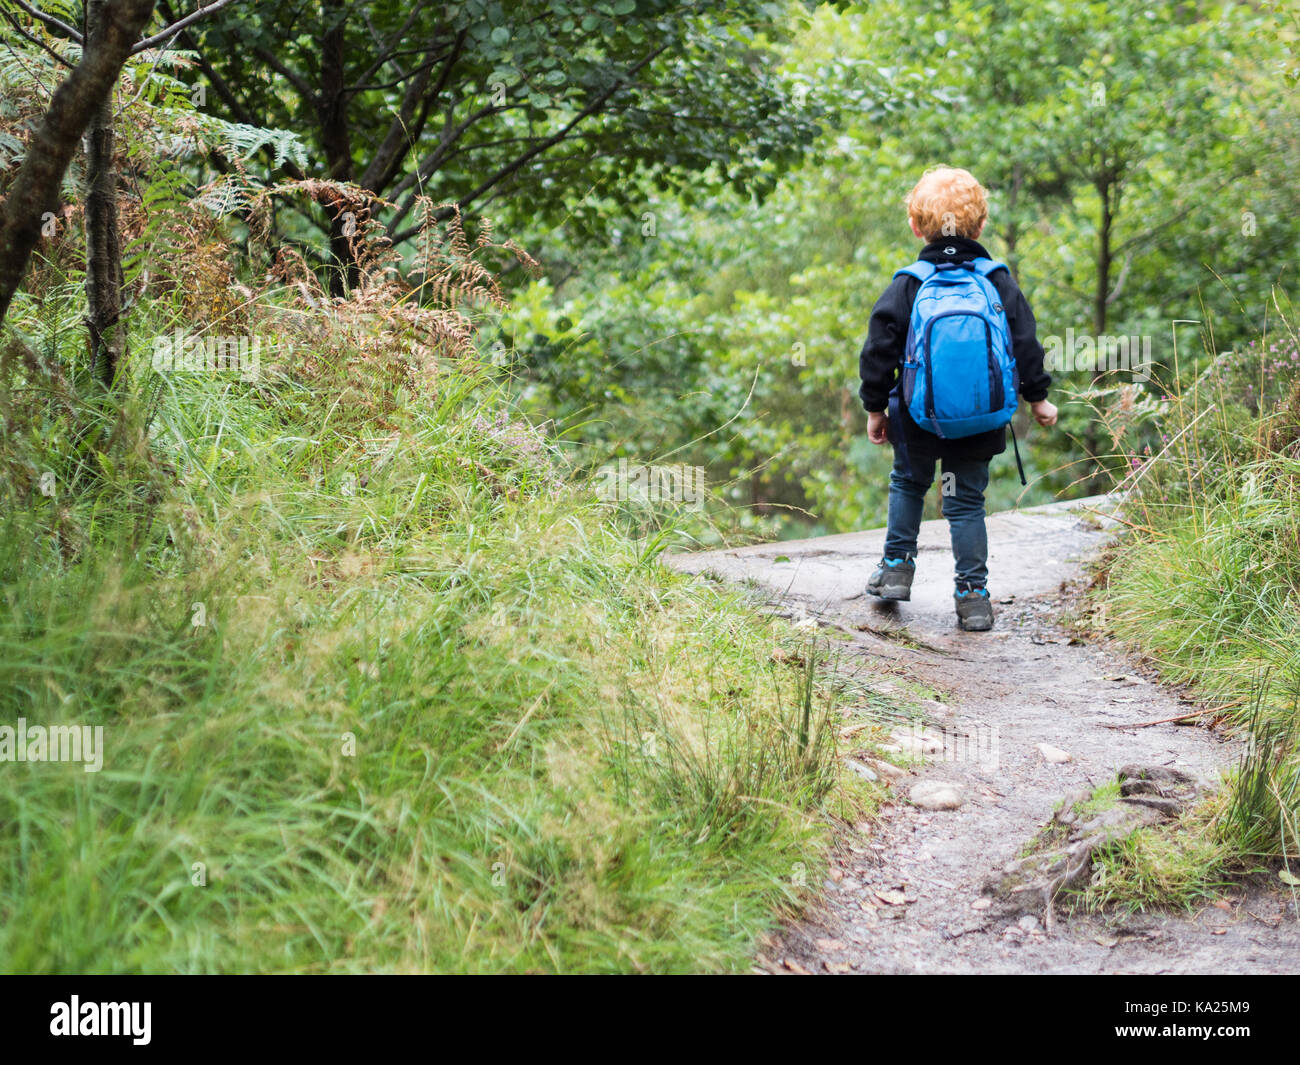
[891, 596]
[974, 625]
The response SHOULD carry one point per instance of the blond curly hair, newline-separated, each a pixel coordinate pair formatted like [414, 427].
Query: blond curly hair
[948, 202]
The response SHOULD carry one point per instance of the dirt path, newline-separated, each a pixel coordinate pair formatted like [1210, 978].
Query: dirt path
[905, 896]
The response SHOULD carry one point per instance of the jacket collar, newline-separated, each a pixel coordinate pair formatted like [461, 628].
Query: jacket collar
[953, 250]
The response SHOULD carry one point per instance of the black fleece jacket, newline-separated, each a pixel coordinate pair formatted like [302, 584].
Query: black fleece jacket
[882, 354]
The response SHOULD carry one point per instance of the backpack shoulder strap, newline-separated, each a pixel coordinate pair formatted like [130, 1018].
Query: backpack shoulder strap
[986, 267]
[922, 271]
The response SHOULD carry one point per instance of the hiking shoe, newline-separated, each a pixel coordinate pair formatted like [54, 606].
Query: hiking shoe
[893, 579]
[974, 610]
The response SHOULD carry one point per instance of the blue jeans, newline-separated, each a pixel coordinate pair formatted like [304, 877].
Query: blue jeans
[964, 482]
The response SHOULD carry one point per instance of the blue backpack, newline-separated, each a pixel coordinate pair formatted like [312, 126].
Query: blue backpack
[959, 376]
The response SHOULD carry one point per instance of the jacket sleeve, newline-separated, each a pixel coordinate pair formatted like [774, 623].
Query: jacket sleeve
[882, 354]
[1025, 348]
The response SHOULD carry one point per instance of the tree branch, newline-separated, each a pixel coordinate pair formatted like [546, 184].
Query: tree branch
[176, 27]
[13, 21]
[532, 153]
[389, 50]
[1119, 283]
[450, 135]
[223, 89]
[388, 158]
[293, 78]
[51, 22]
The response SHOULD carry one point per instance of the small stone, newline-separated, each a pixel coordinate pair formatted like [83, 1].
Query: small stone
[917, 743]
[1054, 754]
[829, 945]
[861, 770]
[934, 795]
[981, 904]
[1029, 923]
[886, 769]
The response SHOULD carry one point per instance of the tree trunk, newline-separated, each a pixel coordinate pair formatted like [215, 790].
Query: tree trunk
[35, 189]
[336, 142]
[1105, 186]
[104, 280]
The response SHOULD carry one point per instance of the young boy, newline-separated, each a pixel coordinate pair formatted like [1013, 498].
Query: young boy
[947, 210]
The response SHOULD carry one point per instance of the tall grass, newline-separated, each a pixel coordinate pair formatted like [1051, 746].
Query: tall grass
[382, 689]
[1207, 583]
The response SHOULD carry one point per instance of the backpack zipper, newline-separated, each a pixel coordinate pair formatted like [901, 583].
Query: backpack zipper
[995, 378]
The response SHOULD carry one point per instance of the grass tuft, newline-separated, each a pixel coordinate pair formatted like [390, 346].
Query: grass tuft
[382, 691]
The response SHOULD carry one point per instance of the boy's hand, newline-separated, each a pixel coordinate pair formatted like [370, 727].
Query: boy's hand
[878, 427]
[1044, 413]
